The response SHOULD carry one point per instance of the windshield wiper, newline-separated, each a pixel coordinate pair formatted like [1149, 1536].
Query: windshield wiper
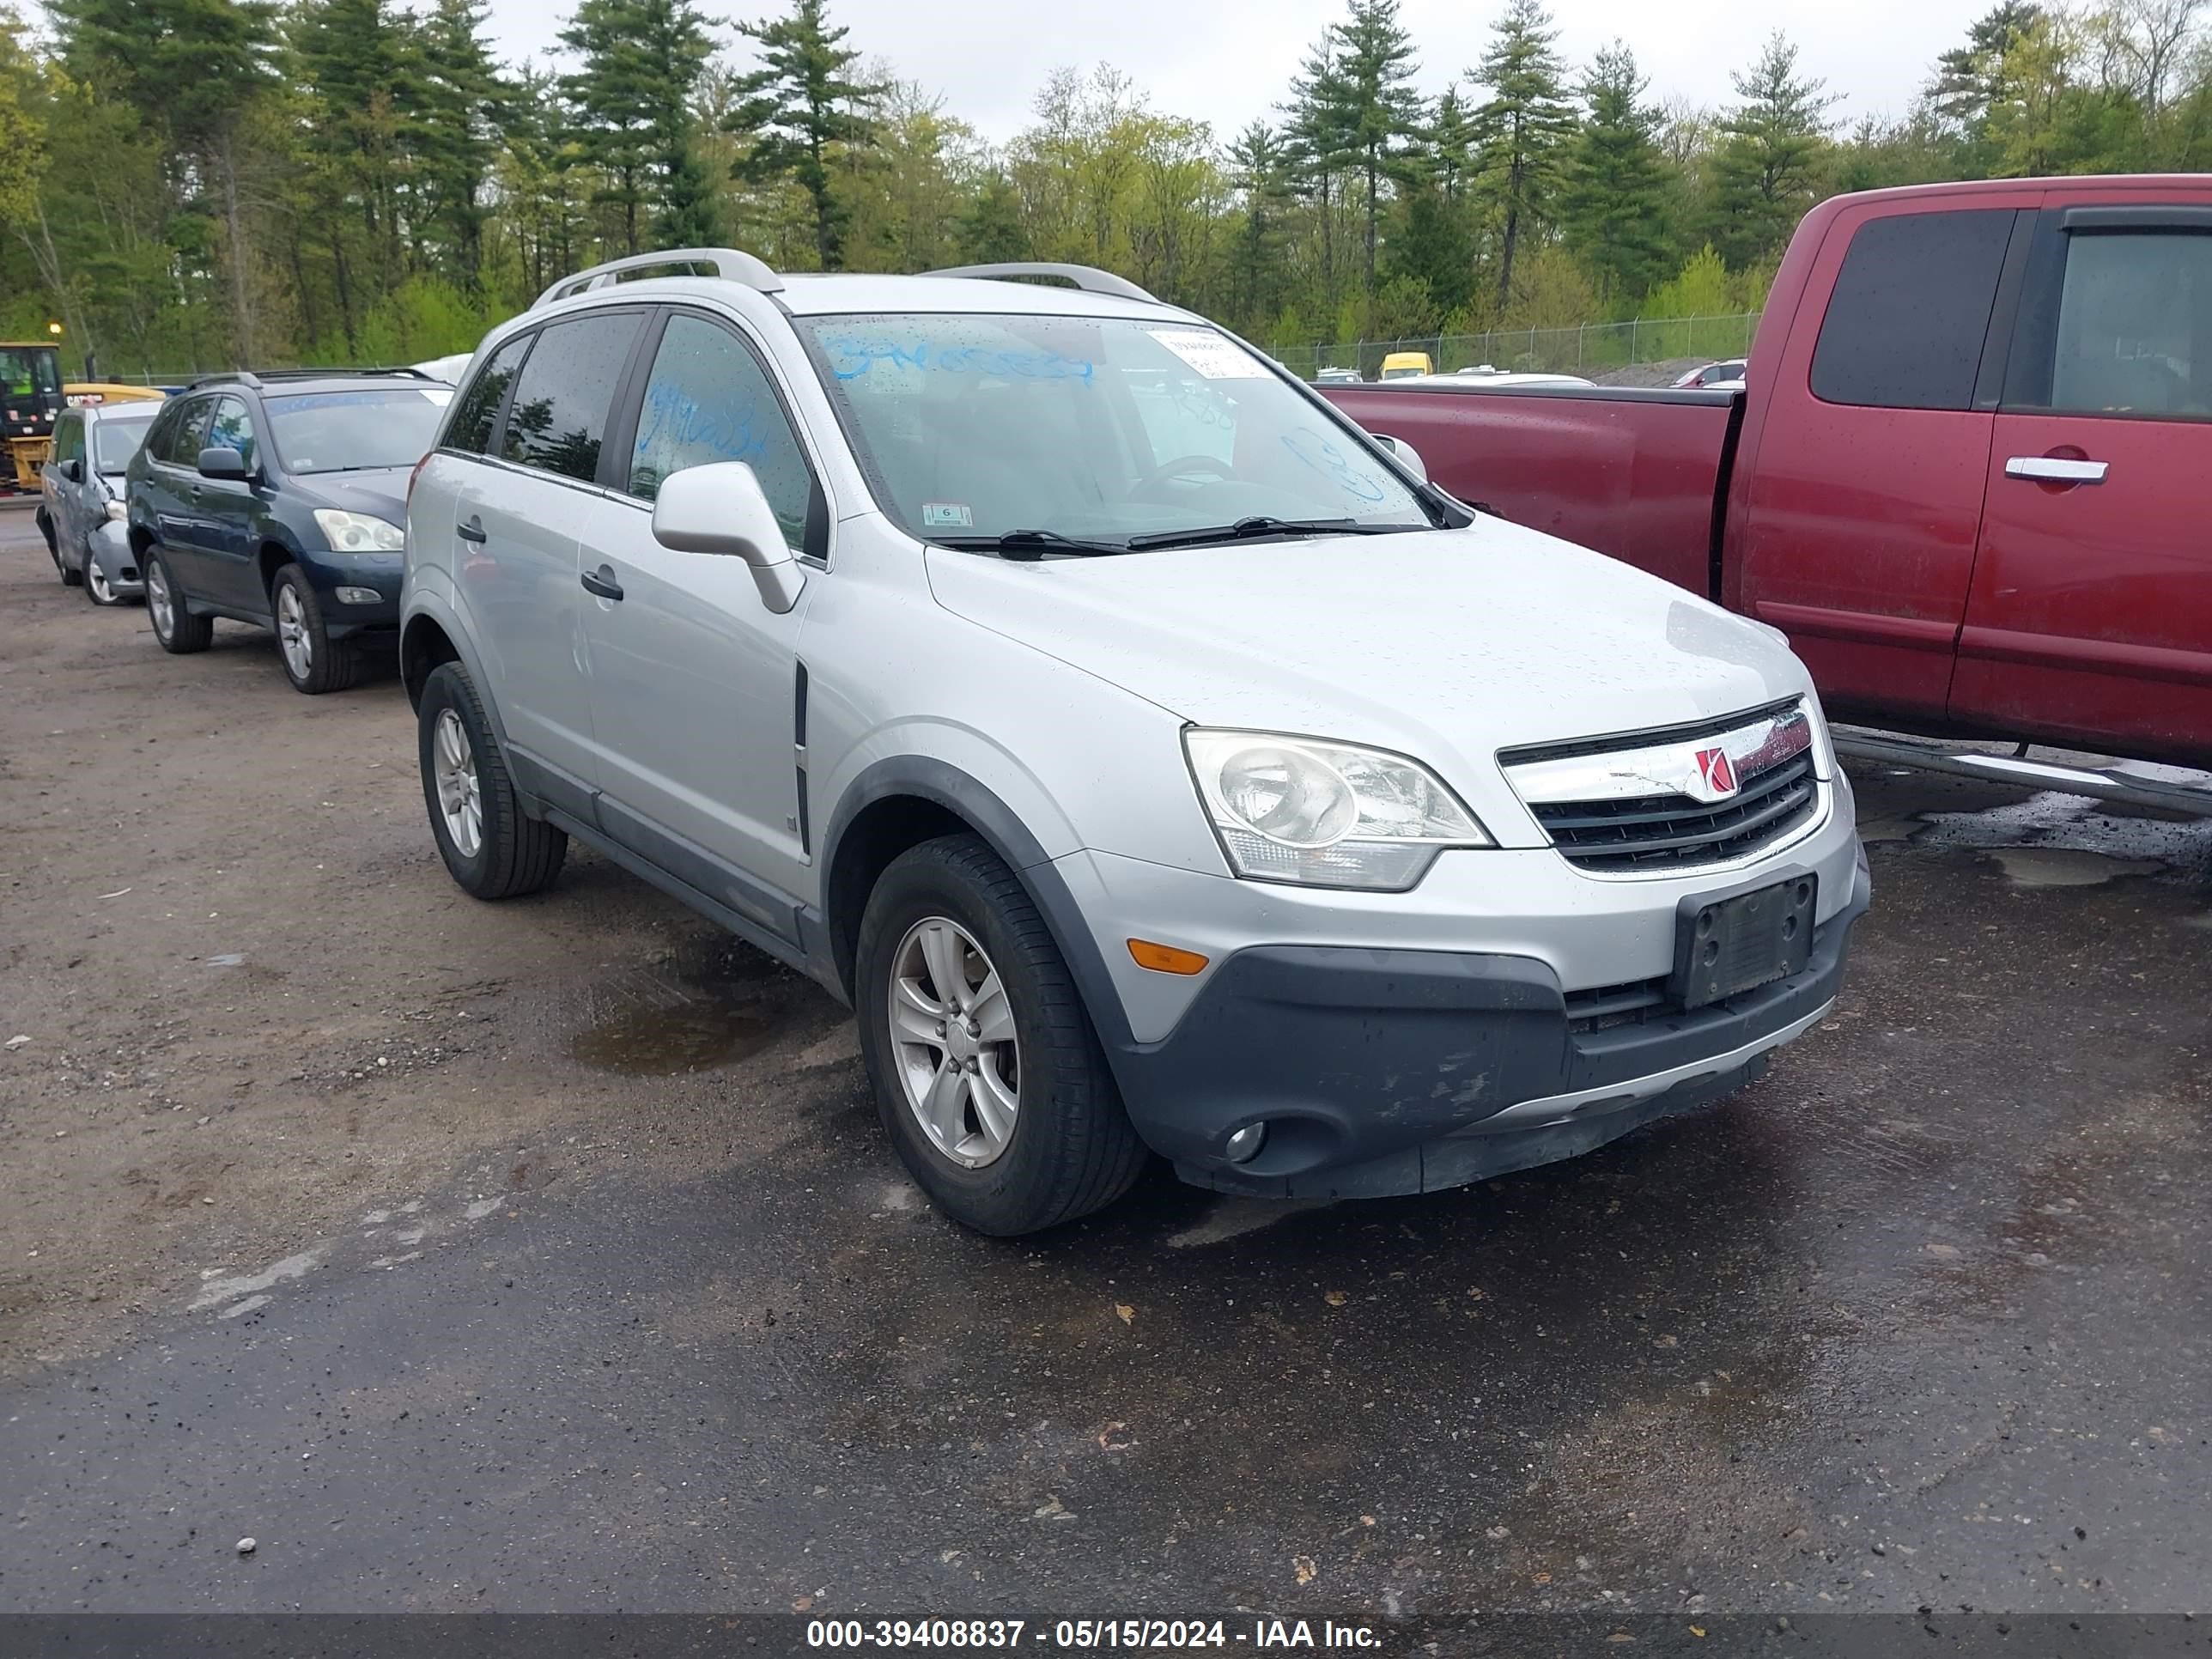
[1029, 546]
[1246, 529]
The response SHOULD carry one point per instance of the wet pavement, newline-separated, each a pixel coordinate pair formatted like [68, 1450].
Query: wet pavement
[1922, 1320]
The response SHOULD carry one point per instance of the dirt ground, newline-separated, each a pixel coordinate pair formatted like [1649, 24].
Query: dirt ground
[255, 1002]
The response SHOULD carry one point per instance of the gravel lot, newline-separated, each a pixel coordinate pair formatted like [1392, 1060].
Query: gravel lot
[546, 1256]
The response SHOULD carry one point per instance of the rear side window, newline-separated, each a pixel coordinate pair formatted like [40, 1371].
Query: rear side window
[1912, 306]
[2135, 326]
[558, 419]
[478, 407]
[708, 399]
[189, 435]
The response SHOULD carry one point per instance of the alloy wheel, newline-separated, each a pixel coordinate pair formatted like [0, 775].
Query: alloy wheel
[461, 797]
[160, 606]
[292, 632]
[952, 1031]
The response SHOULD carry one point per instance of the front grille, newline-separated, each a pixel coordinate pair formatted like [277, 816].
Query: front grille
[1666, 831]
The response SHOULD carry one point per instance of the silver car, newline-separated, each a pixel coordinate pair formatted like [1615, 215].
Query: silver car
[81, 512]
[1154, 760]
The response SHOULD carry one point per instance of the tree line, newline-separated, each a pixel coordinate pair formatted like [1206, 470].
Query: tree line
[190, 183]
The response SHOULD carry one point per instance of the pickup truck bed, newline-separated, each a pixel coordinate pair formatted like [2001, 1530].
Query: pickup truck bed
[1640, 474]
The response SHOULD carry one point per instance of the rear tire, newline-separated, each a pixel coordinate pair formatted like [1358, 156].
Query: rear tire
[70, 578]
[313, 661]
[179, 632]
[497, 853]
[1070, 1148]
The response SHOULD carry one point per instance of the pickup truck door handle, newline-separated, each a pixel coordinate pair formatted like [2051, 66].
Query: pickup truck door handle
[472, 530]
[602, 582]
[2055, 469]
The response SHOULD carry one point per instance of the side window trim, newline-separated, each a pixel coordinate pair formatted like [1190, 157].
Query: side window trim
[2034, 344]
[815, 538]
[629, 394]
[495, 446]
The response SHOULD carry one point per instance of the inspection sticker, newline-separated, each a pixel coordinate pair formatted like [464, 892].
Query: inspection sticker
[947, 515]
[1211, 354]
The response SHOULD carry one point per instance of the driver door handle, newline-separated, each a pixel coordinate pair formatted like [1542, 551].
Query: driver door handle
[472, 530]
[602, 582]
[2055, 469]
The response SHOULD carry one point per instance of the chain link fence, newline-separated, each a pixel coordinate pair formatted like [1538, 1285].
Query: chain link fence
[1592, 349]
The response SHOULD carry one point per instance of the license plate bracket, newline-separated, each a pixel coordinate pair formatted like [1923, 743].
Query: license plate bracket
[1739, 941]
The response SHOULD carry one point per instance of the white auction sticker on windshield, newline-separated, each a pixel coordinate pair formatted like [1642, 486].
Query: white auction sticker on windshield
[1211, 354]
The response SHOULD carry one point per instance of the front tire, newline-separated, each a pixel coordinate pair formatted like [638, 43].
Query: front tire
[988, 1075]
[97, 588]
[313, 661]
[178, 631]
[492, 849]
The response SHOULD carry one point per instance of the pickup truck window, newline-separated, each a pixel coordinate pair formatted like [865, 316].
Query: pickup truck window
[1904, 327]
[2135, 326]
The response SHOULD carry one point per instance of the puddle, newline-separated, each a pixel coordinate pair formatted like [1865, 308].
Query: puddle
[2053, 840]
[2067, 866]
[707, 1004]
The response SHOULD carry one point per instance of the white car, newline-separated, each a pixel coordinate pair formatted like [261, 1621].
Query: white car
[1154, 759]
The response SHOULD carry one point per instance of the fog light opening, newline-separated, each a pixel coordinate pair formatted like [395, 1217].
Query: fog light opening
[358, 596]
[1244, 1146]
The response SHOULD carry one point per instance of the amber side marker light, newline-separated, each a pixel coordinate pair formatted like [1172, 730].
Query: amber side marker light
[1165, 958]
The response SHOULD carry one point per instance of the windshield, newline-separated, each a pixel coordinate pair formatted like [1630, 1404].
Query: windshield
[1093, 429]
[117, 438]
[351, 431]
[27, 370]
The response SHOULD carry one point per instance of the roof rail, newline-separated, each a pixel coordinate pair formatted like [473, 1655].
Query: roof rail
[259, 378]
[1089, 278]
[732, 265]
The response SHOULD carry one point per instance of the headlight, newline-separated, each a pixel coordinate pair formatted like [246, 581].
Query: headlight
[1325, 814]
[360, 533]
[118, 512]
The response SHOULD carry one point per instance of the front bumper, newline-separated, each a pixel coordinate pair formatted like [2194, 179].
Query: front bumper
[1383, 1071]
[110, 546]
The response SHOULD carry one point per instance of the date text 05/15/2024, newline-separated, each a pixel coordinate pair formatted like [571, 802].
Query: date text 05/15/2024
[1087, 1634]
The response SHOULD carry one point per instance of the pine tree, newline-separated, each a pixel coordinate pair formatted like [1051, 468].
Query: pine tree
[631, 95]
[1452, 142]
[1260, 171]
[464, 98]
[799, 106]
[1767, 171]
[1614, 180]
[991, 230]
[1522, 127]
[1318, 142]
[1381, 114]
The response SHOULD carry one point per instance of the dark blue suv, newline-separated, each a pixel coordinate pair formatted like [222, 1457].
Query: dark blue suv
[280, 499]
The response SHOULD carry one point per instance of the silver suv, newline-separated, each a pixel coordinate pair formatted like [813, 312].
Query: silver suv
[1151, 758]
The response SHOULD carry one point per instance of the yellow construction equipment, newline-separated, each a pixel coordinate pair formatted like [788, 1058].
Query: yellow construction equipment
[77, 394]
[30, 398]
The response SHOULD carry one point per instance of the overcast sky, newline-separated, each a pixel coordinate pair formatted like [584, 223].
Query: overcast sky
[1228, 61]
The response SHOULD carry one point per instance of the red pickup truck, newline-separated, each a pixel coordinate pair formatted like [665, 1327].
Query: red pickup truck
[1969, 475]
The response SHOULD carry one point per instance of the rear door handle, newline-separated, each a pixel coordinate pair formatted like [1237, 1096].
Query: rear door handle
[472, 531]
[2055, 469]
[602, 582]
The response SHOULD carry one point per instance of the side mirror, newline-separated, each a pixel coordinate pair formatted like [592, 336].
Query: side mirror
[719, 508]
[224, 463]
[73, 471]
[1408, 457]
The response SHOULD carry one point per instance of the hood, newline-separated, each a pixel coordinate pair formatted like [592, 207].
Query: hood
[380, 491]
[1447, 646]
